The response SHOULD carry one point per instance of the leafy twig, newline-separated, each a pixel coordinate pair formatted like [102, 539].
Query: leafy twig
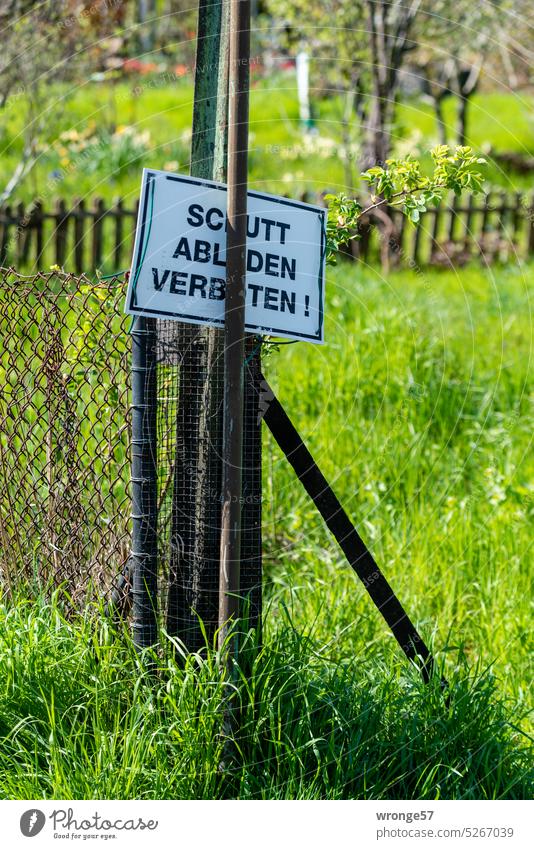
[400, 183]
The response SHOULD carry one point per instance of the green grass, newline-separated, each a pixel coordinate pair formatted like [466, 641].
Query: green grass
[418, 409]
[282, 161]
[79, 720]
[503, 119]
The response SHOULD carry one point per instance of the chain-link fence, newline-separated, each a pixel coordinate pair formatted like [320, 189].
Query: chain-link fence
[65, 440]
[64, 432]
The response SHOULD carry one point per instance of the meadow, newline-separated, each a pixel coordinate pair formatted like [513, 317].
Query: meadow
[419, 410]
[100, 135]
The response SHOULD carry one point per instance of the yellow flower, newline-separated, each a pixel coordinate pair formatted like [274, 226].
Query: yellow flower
[69, 135]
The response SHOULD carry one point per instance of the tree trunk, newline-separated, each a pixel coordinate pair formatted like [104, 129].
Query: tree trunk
[146, 11]
[346, 138]
[468, 79]
[377, 135]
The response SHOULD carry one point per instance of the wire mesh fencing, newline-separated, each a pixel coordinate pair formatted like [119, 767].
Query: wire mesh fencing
[64, 432]
[65, 449]
[190, 379]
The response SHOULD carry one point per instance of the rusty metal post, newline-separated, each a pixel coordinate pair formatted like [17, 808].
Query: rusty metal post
[234, 328]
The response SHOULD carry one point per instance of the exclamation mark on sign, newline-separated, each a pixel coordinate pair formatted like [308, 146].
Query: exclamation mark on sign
[306, 305]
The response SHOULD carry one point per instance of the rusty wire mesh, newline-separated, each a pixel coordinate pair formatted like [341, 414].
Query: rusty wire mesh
[64, 432]
[65, 436]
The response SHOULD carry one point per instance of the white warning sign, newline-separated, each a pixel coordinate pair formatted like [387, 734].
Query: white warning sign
[179, 263]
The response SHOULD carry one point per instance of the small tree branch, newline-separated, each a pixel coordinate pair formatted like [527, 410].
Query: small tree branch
[403, 194]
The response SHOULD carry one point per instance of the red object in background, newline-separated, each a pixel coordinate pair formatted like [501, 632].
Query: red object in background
[136, 66]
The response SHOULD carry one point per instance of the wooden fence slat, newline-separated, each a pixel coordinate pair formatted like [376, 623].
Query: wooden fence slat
[62, 219]
[4, 258]
[79, 234]
[517, 219]
[434, 236]
[486, 212]
[119, 215]
[468, 225]
[416, 244]
[98, 214]
[530, 219]
[132, 231]
[27, 235]
[20, 230]
[38, 224]
[501, 210]
[453, 215]
[396, 217]
[504, 236]
[510, 218]
[402, 235]
[364, 241]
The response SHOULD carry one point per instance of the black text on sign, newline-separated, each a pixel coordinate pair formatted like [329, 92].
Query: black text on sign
[179, 264]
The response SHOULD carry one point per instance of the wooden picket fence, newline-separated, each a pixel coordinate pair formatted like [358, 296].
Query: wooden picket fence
[493, 227]
[93, 235]
[81, 238]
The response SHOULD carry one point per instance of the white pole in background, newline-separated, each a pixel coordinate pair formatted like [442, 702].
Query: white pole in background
[303, 88]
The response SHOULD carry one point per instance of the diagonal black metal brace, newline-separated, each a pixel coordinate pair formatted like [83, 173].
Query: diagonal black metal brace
[337, 521]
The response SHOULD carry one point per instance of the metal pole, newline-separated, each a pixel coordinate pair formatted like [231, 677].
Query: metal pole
[234, 328]
[144, 559]
[348, 538]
